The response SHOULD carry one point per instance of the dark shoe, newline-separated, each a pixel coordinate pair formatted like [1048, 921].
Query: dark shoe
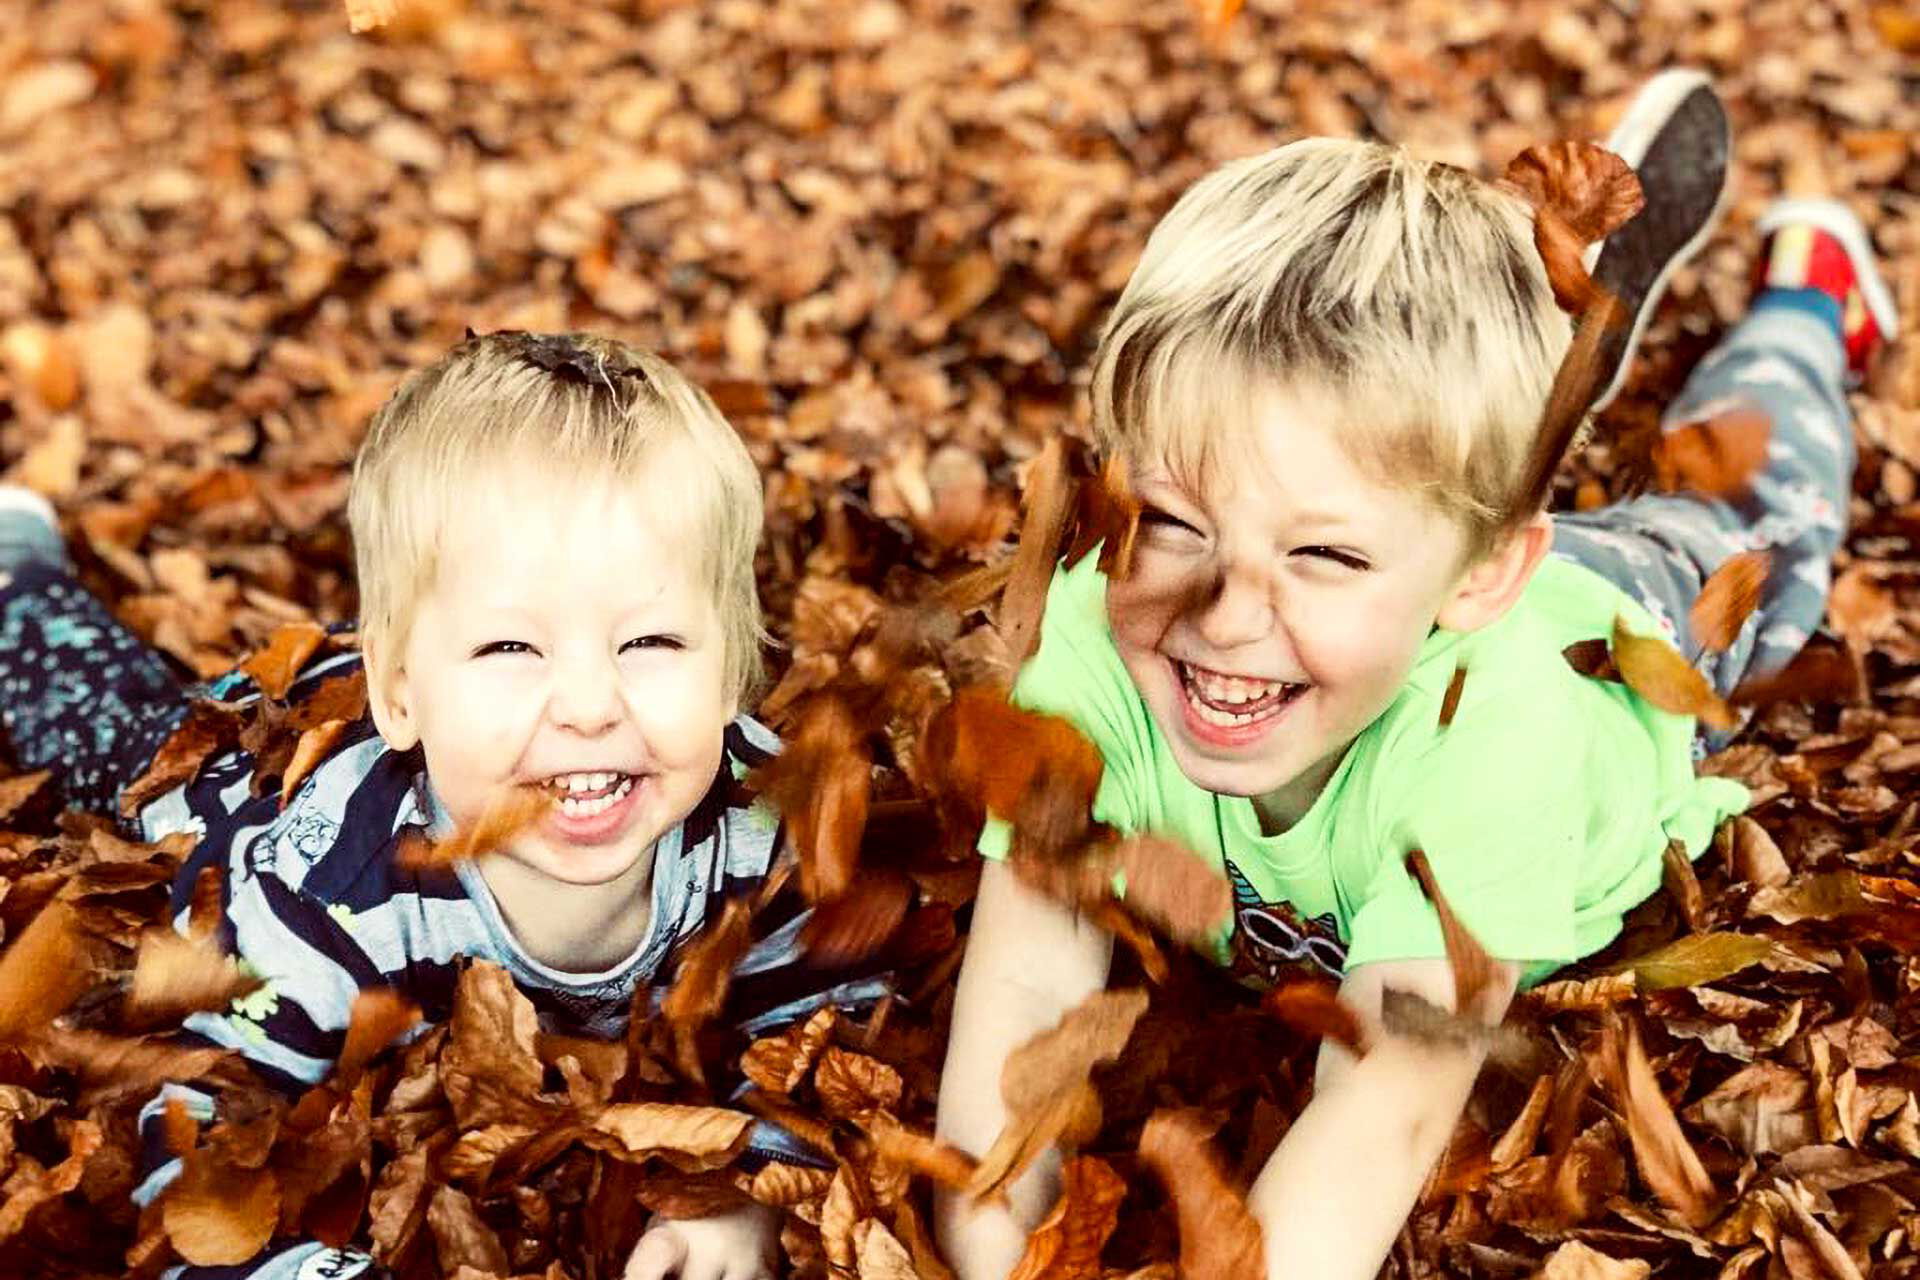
[1676, 137]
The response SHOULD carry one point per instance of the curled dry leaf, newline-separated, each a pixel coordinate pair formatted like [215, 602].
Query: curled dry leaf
[985, 748]
[43, 972]
[1219, 1239]
[945, 1164]
[1727, 599]
[314, 746]
[508, 812]
[1592, 190]
[206, 730]
[1655, 670]
[460, 1238]
[709, 1136]
[1067, 1243]
[779, 1063]
[1106, 515]
[851, 1083]
[1475, 974]
[878, 1255]
[699, 991]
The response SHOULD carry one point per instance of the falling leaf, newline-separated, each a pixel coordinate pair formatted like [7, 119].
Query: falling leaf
[699, 991]
[1717, 457]
[1313, 1007]
[1475, 975]
[175, 975]
[1092, 1032]
[1727, 598]
[1106, 515]
[849, 928]
[998, 754]
[1067, 1243]
[1666, 1159]
[1450, 703]
[1219, 1239]
[1655, 670]
[945, 1164]
[508, 812]
[287, 650]
[1173, 887]
[1048, 505]
[379, 1014]
[1818, 673]
[820, 784]
[42, 972]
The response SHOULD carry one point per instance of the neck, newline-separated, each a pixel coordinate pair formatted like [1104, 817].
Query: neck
[576, 928]
[1280, 809]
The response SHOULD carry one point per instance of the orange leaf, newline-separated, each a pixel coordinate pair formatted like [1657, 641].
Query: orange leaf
[43, 972]
[1726, 598]
[29, 1186]
[379, 1015]
[288, 648]
[1821, 672]
[1106, 515]
[1655, 670]
[709, 1136]
[983, 747]
[1474, 971]
[314, 746]
[1219, 1239]
[1060, 1058]
[699, 991]
[15, 792]
[1666, 1159]
[219, 1215]
[947, 1165]
[1718, 456]
[510, 811]
[820, 783]
[206, 729]
[847, 929]
[779, 1063]
[1049, 502]
[1313, 1007]
[1067, 1243]
[849, 1084]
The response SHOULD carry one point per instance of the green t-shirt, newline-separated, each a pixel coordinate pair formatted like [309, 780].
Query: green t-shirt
[1545, 807]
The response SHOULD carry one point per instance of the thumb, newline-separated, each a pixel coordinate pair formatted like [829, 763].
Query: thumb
[660, 1252]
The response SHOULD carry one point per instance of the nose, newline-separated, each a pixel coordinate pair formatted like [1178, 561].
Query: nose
[1241, 610]
[585, 696]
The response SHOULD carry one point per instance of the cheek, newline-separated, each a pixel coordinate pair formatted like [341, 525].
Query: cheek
[1161, 590]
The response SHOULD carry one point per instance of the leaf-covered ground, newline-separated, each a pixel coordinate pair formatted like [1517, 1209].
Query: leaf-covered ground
[883, 233]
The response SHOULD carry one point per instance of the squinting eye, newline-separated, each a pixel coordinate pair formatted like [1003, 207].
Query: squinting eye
[653, 642]
[502, 646]
[1345, 559]
[1153, 517]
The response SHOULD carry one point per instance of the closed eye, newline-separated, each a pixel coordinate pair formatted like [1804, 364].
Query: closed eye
[654, 642]
[1335, 555]
[1154, 517]
[503, 646]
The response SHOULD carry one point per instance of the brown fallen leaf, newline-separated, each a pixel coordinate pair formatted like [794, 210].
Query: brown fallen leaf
[820, 783]
[219, 1215]
[370, 15]
[1727, 599]
[379, 1015]
[510, 811]
[274, 667]
[779, 1063]
[847, 929]
[1655, 670]
[315, 745]
[44, 970]
[16, 791]
[461, 1238]
[707, 1136]
[1666, 1160]
[1576, 1261]
[1474, 971]
[1450, 703]
[1067, 1243]
[878, 1255]
[1172, 886]
[31, 1186]
[699, 990]
[1821, 672]
[206, 730]
[1219, 1239]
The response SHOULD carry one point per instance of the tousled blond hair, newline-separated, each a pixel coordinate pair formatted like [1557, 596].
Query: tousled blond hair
[484, 413]
[1409, 291]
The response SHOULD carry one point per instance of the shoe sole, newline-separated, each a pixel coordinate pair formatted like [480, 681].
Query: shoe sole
[1668, 236]
[1834, 218]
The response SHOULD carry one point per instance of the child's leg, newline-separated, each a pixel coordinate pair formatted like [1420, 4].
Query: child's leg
[1816, 317]
[79, 693]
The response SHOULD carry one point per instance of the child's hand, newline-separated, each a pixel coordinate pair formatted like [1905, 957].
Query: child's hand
[728, 1246]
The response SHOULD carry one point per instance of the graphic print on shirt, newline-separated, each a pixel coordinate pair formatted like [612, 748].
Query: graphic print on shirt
[1272, 940]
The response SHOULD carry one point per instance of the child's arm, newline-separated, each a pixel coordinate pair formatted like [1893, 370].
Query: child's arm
[1028, 961]
[1339, 1188]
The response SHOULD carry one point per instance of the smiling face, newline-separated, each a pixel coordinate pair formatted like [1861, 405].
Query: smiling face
[1272, 617]
[567, 644]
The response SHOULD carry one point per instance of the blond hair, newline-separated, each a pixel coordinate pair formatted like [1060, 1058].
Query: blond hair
[1408, 290]
[486, 410]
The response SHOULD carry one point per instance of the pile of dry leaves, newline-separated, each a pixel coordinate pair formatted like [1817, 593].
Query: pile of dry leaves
[883, 233]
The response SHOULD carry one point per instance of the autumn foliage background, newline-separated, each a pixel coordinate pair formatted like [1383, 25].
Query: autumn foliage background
[883, 234]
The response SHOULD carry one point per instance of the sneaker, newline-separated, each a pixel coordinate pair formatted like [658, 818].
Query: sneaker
[1677, 138]
[1818, 257]
[29, 530]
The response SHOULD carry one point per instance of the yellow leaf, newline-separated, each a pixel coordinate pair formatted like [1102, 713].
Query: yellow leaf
[1655, 670]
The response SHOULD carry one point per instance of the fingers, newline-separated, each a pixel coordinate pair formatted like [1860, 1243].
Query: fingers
[660, 1252]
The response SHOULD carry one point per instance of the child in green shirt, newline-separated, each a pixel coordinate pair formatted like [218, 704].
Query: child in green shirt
[1326, 377]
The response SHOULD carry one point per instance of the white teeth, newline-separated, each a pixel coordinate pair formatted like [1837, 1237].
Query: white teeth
[588, 808]
[1207, 687]
[580, 783]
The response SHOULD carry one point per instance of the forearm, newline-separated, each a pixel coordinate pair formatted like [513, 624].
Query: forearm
[1028, 962]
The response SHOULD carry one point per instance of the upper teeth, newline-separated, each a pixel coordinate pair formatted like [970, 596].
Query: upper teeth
[578, 782]
[1231, 689]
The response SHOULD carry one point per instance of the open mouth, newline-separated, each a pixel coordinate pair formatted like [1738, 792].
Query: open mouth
[1233, 702]
[587, 795]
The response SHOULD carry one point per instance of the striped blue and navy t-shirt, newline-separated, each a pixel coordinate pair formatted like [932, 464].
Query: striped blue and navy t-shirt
[316, 905]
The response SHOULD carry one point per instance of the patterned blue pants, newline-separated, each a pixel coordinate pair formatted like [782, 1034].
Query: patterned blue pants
[79, 693]
[1787, 363]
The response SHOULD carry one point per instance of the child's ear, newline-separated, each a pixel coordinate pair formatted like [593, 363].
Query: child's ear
[388, 698]
[1491, 586]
